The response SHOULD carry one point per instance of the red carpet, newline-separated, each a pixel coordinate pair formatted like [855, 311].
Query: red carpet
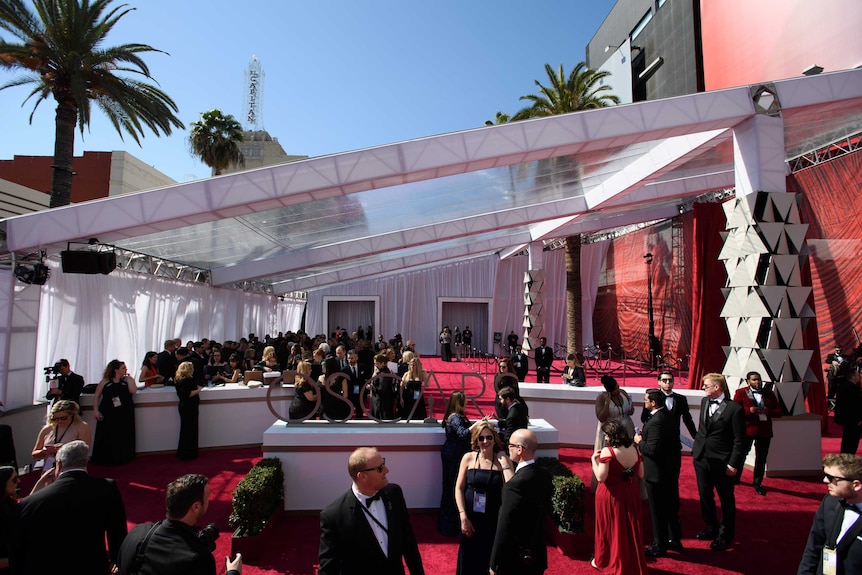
[771, 530]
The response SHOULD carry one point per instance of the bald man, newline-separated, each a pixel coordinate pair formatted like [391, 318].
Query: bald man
[519, 545]
[368, 530]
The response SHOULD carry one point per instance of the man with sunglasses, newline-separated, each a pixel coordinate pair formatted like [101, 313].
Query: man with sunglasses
[368, 530]
[834, 544]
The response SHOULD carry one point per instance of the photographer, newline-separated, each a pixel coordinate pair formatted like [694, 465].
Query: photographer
[174, 546]
[65, 384]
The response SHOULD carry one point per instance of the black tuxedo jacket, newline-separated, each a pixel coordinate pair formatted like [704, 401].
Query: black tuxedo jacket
[824, 530]
[166, 363]
[660, 447]
[71, 386]
[82, 509]
[516, 418]
[544, 357]
[680, 412]
[348, 545]
[721, 436]
[520, 523]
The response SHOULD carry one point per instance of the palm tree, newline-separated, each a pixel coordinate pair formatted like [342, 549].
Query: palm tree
[582, 89]
[499, 118]
[215, 140]
[61, 55]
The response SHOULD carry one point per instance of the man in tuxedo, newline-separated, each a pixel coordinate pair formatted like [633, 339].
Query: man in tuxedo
[834, 544]
[368, 530]
[660, 448]
[675, 403]
[90, 507]
[718, 454]
[357, 375]
[516, 413]
[468, 337]
[519, 544]
[174, 546]
[759, 407]
[521, 362]
[166, 362]
[544, 360]
[69, 384]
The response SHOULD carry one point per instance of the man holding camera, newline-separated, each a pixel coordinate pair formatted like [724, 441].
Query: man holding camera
[68, 384]
[174, 546]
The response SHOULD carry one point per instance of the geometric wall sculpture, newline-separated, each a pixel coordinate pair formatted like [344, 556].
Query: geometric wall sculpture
[766, 306]
[534, 283]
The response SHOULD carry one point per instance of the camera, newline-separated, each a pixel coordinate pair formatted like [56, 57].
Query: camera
[208, 536]
[51, 372]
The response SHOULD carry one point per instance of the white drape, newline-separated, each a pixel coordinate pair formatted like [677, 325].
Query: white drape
[91, 319]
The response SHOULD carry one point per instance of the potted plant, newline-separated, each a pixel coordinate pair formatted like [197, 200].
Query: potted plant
[567, 509]
[257, 506]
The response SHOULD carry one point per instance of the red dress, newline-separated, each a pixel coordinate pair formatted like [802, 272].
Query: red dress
[619, 527]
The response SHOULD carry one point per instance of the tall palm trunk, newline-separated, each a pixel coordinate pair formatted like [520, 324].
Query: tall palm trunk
[64, 151]
[574, 328]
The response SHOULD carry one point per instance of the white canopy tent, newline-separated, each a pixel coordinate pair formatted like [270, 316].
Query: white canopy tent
[494, 190]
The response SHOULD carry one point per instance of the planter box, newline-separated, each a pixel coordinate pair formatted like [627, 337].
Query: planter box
[571, 545]
[251, 547]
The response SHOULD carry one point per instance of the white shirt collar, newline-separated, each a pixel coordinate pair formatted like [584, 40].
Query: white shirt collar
[524, 464]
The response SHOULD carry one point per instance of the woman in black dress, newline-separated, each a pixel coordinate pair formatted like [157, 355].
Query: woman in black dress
[410, 391]
[305, 400]
[9, 483]
[114, 442]
[189, 393]
[479, 495]
[457, 443]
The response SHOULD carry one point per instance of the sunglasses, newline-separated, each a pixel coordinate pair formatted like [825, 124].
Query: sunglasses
[518, 445]
[484, 438]
[378, 469]
[835, 479]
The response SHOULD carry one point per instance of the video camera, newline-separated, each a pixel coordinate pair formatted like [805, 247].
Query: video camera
[208, 536]
[52, 372]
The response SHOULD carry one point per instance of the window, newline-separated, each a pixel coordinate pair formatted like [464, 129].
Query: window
[642, 24]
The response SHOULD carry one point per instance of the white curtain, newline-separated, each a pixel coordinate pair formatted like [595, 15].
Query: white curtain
[408, 301]
[92, 319]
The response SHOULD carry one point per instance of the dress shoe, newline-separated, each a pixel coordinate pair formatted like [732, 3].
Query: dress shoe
[719, 544]
[758, 488]
[593, 563]
[707, 534]
[675, 546]
[655, 551]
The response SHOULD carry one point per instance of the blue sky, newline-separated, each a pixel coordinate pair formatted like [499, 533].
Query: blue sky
[340, 74]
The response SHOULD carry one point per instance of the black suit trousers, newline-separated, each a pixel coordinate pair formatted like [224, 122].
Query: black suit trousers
[712, 478]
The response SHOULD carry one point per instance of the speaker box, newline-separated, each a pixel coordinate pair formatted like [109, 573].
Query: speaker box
[87, 262]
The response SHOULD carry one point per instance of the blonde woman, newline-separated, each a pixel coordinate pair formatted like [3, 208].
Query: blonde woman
[189, 393]
[410, 390]
[269, 361]
[305, 399]
[479, 495]
[64, 425]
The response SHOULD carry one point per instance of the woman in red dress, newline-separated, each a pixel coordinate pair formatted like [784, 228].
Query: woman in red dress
[619, 527]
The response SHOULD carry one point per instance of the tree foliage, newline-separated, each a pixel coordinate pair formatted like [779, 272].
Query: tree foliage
[215, 140]
[61, 55]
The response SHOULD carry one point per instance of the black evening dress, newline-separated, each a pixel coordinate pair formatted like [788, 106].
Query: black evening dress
[456, 445]
[187, 446]
[301, 406]
[114, 442]
[474, 553]
[410, 397]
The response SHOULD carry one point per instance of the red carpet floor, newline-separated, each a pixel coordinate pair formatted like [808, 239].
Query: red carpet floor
[771, 530]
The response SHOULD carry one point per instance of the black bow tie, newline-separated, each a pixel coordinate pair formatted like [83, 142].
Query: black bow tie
[849, 506]
[714, 402]
[372, 499]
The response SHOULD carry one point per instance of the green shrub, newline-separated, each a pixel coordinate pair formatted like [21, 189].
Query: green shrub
[567, 501]
[554, 466]
[257, 496]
